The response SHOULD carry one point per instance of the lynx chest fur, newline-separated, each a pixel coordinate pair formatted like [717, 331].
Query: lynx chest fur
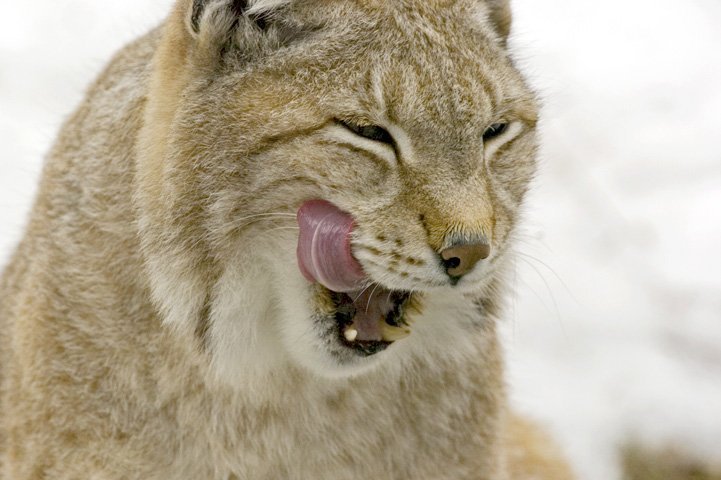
[271, 244]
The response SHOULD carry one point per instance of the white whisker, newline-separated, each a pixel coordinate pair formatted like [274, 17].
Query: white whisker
[362, 292]
[368, 304]
[242, 222]
[558, 277]
[550, 293]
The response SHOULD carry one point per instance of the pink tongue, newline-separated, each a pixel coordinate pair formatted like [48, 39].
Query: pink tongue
[324, 250]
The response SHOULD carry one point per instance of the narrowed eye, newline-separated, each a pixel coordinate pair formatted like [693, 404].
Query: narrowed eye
[371, 132]
[495, 130]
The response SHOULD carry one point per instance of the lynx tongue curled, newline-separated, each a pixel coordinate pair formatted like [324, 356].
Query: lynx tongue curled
[324, 250]
[324, 256]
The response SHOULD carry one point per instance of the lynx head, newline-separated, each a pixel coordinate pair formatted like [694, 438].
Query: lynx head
[405, 116]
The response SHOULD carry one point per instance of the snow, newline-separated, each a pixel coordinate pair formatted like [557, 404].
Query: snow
[614, 331]
[617, 334]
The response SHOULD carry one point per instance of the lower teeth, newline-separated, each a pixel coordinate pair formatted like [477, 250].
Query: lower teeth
[389, 333]
[393, 326]
[350, 334]
[392, 334]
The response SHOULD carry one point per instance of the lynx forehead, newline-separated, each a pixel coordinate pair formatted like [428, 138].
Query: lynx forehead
[272, 243]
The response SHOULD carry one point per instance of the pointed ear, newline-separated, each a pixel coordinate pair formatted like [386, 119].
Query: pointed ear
[247, 24]
[204, 13]
[500, 16]
[253, 11]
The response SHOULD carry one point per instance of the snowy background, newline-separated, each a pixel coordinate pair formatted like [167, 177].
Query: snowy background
[615, 329]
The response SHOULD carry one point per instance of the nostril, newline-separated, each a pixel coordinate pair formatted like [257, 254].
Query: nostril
[453, 262]
[461, 259]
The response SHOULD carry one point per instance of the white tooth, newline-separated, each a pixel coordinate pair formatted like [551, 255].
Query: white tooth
[350, 334]
[392, 334]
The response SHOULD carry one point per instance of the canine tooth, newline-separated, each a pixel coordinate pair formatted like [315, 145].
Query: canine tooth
[392, 334]
[407, 321]
[350, 334]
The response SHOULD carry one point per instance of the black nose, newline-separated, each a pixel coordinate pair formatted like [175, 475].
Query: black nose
[460, 259]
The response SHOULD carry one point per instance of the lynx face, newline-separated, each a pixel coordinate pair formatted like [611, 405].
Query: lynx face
[408, 118]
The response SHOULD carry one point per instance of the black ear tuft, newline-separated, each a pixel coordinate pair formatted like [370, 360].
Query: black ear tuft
[237, 7]
[198, 8]
[240, 6]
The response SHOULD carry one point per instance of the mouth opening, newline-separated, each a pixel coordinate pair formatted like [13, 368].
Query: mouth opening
[372, 319]
[368, 319]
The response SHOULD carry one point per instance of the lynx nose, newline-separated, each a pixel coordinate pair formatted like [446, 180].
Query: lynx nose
[460, 259]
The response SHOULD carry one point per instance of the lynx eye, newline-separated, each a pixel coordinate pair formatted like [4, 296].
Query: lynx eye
[371, 132]
[494, 131]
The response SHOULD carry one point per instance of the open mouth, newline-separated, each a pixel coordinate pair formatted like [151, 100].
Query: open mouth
[368, 317]
[370, 320]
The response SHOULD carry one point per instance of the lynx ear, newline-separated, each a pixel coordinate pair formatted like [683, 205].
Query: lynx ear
[249, 24]
[500, 16]
[256, 11]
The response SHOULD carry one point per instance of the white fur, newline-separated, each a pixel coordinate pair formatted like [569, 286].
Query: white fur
[491, 147]
[378, 149]
[403, 141]
[242, 336]
[260, 7]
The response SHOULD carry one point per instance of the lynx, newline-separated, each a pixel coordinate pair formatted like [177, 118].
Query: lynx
[271, 243]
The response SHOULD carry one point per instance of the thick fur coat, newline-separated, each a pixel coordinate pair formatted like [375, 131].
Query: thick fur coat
[153, 321]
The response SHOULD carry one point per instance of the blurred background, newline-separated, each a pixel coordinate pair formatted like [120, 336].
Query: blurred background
[613, 334]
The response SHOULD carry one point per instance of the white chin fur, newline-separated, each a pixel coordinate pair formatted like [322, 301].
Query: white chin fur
[299, 335]
[262, 321]
[243, 327]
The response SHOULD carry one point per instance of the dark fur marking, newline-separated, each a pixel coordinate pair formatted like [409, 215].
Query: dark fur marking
[198, 8]
[202, 328]
[272, 141]
[372, 250]
[238, 7]
[382, 164]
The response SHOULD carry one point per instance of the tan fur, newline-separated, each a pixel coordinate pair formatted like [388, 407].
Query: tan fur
[153, 321]
[641, 462]
[532, 454]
